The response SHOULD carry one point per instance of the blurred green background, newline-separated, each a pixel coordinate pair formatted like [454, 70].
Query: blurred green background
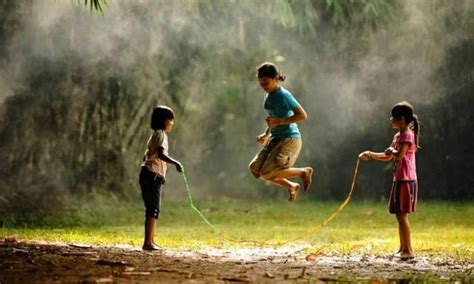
[77, 89]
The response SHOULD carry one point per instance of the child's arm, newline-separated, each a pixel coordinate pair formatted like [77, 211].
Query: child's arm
[169, 160]
[398, 154]
[299, 114]
[263, 138]
[378, 156]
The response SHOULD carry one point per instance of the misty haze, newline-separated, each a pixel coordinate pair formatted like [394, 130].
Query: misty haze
[79, 83]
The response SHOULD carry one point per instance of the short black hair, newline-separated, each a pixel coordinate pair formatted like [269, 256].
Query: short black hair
[159, 115]
[269, 70]
[404, 109]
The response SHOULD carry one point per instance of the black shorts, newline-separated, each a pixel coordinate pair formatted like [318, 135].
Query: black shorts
[151, 185]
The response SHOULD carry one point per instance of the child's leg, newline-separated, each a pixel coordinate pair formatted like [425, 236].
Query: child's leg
[405, 235]
[284, 183]
[402, 245]
[400, 236]
[151, 184]
[280, 157]
[277, 167]
[259, 160]
[290, 173]
[150, 225]
[304, 173]
[292, 187]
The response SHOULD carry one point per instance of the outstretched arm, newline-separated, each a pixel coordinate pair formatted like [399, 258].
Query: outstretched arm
[378, 156]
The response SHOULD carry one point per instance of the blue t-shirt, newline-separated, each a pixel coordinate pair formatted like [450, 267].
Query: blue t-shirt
[280, 104]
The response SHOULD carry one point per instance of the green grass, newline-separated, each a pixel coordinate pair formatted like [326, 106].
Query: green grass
[438, 228]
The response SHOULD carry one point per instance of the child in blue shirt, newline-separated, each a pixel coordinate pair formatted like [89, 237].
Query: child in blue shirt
[282, 139]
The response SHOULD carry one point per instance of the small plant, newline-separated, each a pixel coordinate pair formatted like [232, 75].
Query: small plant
[96, 5]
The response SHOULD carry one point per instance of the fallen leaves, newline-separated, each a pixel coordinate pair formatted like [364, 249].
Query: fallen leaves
[269, 275]
[11, 240]
[311, 257]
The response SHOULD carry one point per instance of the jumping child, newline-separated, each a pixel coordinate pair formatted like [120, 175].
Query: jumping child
[282, 138]
[153, 170]
[404, 193]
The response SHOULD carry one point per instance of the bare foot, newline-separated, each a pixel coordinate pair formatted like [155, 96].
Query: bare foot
[151, 247]
[406, 256]
[293, 193]
[397, 255]
[307, 178]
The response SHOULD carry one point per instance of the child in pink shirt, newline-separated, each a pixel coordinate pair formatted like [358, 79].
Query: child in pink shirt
[404, 193]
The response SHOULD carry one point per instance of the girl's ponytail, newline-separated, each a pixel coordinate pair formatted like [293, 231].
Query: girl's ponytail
[416, 130]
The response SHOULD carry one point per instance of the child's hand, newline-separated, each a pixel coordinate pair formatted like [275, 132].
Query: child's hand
[262, 139]
[364, 156]
[390, 151]
[272, 121]
[179, 167]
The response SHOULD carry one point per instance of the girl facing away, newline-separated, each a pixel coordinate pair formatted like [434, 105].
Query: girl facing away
[404, 193]
[282, 139]
[153, 170]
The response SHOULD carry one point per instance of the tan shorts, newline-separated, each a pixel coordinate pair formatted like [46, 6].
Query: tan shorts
[277, 155]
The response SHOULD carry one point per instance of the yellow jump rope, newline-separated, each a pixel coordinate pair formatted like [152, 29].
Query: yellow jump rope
[310, 232]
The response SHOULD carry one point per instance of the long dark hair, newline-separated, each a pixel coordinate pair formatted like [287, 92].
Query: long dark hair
[159, 115]
[270, 70]
[405, 109]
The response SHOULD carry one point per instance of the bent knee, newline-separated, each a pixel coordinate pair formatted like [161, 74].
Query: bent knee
[254, 169]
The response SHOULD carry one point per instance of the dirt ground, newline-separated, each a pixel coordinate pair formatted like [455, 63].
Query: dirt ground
[30, 262]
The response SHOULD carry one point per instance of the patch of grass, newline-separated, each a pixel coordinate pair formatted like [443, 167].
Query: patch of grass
[438, 228]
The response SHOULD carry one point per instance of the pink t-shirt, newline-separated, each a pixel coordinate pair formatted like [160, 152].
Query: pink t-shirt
[406, 167]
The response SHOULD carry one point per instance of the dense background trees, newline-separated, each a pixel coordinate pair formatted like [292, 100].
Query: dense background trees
[77, 89]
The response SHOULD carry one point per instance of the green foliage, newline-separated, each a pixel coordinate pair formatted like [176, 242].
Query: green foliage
[303, 16]
[95, 5]
[299, 15]
[82, 89]
[370, 12]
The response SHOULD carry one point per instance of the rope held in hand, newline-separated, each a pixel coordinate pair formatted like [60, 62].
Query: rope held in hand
[307, 234]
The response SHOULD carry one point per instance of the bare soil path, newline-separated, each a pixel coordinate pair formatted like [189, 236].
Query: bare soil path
[30, 262]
